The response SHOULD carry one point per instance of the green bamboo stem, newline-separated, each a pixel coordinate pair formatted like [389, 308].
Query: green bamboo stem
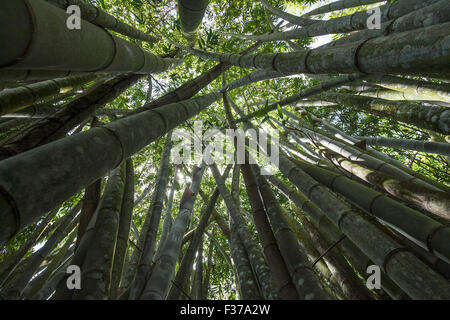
[339, 5]
[303, 276]
[39, 281]
[339, 134]
[91, 199]
[9, 263]
[364, 56]
[191, 14]
[68, 116]
[391, 95]
[154, 216]
[158, 284]
[123, 232]
[428, 233]
[98, 263]
[436, 202]
[15, 285]
[356, 154]
[410, 87]
[434, 118]
[351, 285]
[49, 287]
[219, 220]
[287, 16]
[13, 124]
[12, 100]
[255, 76]
[388, 254]
[246, 279]
[17, 76]
[34, 50]
[188, 258]
[255, 255]
[304, 94]
[102, 19]
[324, 224]
[192, 87]
[168, 220]
[345, 24]
[197, 287]
[45, 110]
[286, 289]
[309, 247]
[442, 148]
[62, 292]
[432, 14]
[209, 270]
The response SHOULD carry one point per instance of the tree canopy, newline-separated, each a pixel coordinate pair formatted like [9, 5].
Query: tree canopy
[90, 124]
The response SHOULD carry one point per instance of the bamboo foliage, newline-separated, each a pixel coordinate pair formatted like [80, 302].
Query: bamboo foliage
[287, 16]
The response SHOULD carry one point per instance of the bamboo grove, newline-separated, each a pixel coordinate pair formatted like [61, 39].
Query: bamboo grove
[359, 118]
